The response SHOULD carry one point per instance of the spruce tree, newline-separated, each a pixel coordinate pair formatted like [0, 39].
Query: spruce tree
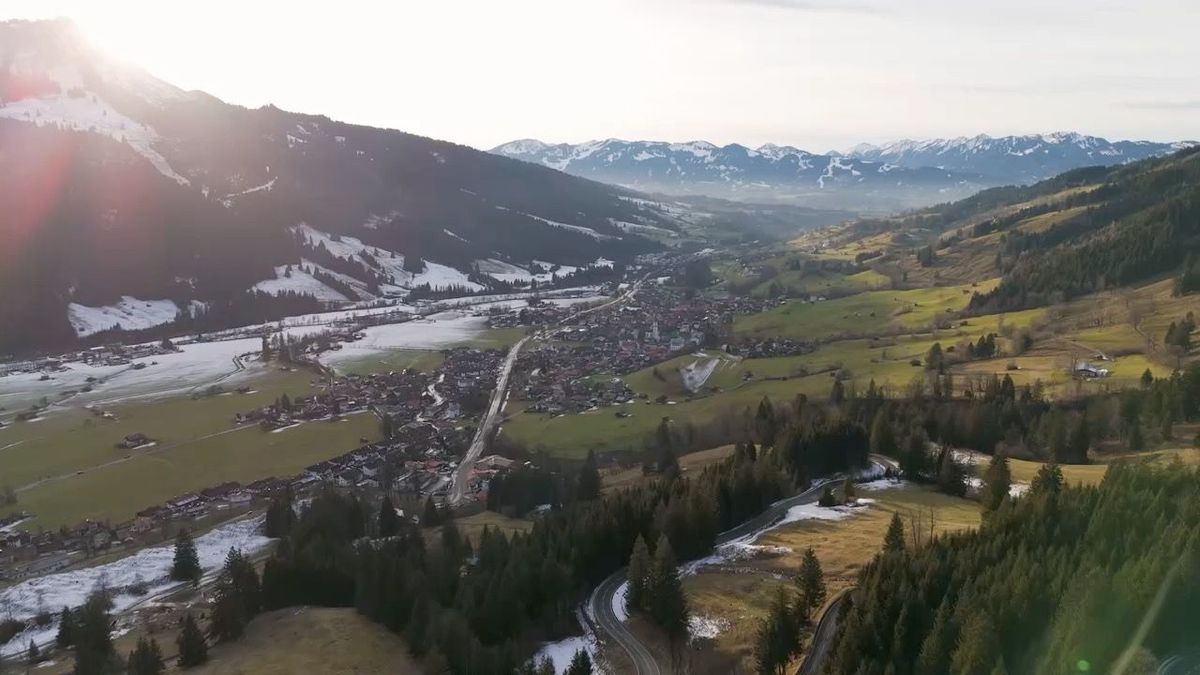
[94, 653]
[33, 655]
[883, 437]
[810, 581]
[977, 649]
[193, 650]
[1049, 480]
[827, 499]
[418, 633]
[588, 485]
[389, 522]
[146, 658]
[996, 483]
[581, 664]
[894, 539]
[639, 569]
[237, 598]
[186, 566]
[430, 517]
[66, 629]
[668, 606]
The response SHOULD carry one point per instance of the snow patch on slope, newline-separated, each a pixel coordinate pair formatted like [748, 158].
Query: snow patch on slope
[88, 112]
[130, 314]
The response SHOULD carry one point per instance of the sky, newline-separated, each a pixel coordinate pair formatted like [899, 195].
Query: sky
[817, 74]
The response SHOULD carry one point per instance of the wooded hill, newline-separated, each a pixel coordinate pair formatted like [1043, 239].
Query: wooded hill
[1083, 231]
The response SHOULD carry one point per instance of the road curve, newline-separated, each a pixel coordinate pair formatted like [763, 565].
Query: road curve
[600, 609]
[601, 600]
[823, 636]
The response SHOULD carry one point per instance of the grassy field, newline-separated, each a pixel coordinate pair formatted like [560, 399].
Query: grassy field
[311, 640]
[797, 282]
[67, 467]
[472, 526]
[692, 463]
[424, 360]
[743, 596]
[869, 313]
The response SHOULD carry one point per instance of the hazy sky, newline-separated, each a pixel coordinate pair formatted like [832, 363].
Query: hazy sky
[818, 74]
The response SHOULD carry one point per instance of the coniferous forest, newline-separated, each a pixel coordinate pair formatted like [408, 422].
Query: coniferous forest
[1063, 580]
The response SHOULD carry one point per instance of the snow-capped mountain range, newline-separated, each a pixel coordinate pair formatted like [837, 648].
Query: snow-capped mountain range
[892, 175]
[1014, 159]
[770, 172]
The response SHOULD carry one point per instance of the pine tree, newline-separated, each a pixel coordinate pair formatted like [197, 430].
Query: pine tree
[810, 581]
[639, 569]
[389, 522]
[193, 650]
[588, 485]
[33, 655]
[996, 483]
[146, 658]
[894, 539]
[186, 566]
[66, 629]
[581, 664]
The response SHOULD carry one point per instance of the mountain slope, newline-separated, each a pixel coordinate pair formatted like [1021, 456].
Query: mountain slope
[1014, 159]
[119, 185]
[770, 172]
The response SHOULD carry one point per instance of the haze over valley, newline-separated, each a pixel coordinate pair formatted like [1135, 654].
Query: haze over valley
[853, 362]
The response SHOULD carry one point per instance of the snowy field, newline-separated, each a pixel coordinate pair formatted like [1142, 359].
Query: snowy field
[130, 314]
[563, 651]
[149, 566]
[439, 331]
[195, 366]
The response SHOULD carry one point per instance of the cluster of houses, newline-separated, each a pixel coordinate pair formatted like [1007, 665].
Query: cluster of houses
[115, 354]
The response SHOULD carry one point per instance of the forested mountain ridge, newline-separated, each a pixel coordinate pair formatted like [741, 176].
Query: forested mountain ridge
[124, 185]
[1083, 231]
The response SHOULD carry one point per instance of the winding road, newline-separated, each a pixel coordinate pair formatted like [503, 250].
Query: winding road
[600, 603]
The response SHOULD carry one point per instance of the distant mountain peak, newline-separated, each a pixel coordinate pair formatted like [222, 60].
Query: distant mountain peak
[1013, 159]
